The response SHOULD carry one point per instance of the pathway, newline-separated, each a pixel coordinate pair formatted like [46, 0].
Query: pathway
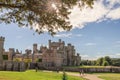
[87, 76]
[91, 77]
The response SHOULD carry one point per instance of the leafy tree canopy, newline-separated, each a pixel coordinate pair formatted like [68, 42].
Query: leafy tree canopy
[43, 15]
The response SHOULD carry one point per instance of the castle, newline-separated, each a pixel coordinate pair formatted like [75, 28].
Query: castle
[55, 55]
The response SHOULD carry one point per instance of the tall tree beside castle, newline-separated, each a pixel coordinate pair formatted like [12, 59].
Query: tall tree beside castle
[51, 15]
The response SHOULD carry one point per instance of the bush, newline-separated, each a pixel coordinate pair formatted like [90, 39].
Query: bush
[64, 76]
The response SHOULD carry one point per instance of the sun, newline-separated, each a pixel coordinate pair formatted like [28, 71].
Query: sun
[53, 6]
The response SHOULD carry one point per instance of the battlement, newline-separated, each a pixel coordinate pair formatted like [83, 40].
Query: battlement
[35, 44]
[2, 38]
[69, 44]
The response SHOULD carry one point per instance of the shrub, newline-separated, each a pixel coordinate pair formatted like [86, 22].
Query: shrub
[64, 76]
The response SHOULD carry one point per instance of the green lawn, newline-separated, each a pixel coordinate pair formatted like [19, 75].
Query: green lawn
[109, 76]
[32, 75]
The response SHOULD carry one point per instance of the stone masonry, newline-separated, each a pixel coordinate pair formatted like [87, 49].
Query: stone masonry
[57, 54]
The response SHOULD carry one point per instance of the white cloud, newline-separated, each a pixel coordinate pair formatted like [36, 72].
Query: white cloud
[118, 54]
[100, 12]
[118, 42]
[87, 57]
[67, 35]
[84, 56]
[99, 55]
[90, 44]
[19, 37]
[79, 35]
[114, 14]
[29, 47]
[113, 2]
[115, 55]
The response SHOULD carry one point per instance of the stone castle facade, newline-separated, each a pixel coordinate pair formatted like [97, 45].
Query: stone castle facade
[55, 55]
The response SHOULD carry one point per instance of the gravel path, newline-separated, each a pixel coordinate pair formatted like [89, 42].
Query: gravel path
[92, 77]
[87, 76]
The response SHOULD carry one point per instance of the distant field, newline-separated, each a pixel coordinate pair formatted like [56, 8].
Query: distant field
[110, 76]
[32, 75]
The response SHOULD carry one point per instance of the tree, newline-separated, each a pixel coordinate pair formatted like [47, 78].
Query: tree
[108, 59]
[105, 63]
[46, 15]
[99, 61]
[116, 62]
[84, 62]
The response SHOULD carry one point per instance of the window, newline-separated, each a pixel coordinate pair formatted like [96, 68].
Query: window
[5, 57]
[39, 60]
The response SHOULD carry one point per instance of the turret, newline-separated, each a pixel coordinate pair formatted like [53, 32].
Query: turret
[28, 51]
[12, 53]
[59, 40]
[69, 44]
[78, 59]
[63, 42]
[49, 44]
[35, 48]
[2, 39]
[78, 54]
[17, 51]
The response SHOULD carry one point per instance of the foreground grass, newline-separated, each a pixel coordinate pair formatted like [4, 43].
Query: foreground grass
[109, 76]
[32, 75]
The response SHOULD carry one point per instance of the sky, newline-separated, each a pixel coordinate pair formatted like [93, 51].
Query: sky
[95, 32]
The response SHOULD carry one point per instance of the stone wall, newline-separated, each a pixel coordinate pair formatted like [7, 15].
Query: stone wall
[21, 66]
[94, 70]
[39, 65]
[13, 66]
[88, 70]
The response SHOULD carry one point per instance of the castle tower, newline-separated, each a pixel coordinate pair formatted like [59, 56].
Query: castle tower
[35, 50]
[60, 41]
[2, 39]
[49, 44]
[12, 53]
[78, 59]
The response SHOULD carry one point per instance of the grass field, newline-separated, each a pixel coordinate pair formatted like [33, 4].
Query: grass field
[32, 75]
[109, 76]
